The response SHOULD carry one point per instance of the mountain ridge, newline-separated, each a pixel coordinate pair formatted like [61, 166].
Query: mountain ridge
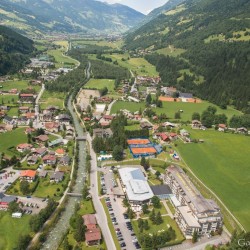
[67, 16]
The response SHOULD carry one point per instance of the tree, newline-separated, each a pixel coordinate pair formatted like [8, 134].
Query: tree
[85, 192]
[145, 225]
[152, 216]
[195, 237]
[24, 187]
[23, 242]
[66, 245]
[157, 174]
[212, 109]
[143, 161]
[196, 116]
[13, 207]
[79, 234]
[207, 119]
[158, 218]
[118, 153]
[177, 115]
[148, 99]
[145, 208]
[156, 201]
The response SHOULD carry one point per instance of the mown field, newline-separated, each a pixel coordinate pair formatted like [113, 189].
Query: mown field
[100, 84]
[52, 98]
[139, 66]
[222, 163]
[102, 43]
[18, 84]
[11, 229]
[170, 108]
[12, 139]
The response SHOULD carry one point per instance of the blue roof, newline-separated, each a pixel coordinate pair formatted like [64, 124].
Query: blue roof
[137, 175]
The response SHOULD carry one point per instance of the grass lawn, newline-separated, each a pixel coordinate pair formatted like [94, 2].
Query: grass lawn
[131, 106]
[86, 207]
[60, 59]
[100, 84]
[167, 222]
[13, 111]
[52, 98]
[12, 139]
[170, 206]
[46, 188]
[18, 84]
[170, 108]
[133, 127]
[222, 163]
[170, 51]
[15, 188]
[152, 180]
[8, 99]
[162, 210]
[138, 65]
[110, 224]
[11, 229]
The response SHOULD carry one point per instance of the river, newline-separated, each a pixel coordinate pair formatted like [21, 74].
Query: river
[53, 240]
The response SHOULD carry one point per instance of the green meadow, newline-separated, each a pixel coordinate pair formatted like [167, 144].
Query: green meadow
[100, 84]
[222, 163]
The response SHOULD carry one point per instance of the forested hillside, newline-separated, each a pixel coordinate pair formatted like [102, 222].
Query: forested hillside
[209, 41]
[15, 51]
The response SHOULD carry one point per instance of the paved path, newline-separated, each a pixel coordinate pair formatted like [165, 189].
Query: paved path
[110, 107]
[100, 213]
[167, 208]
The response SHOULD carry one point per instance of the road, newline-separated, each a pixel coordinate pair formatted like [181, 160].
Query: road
[110, 107]
[100, 213]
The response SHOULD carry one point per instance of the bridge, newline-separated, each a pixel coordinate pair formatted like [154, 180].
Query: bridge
[74, 194]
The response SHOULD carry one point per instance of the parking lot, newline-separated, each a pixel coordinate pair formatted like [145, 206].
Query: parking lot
[7, 178]
[32, 205]
[117, 212]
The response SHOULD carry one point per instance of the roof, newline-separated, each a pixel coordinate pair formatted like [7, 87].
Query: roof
[89, 219]
[28, 173]
[188, 216]
[42, 138]
[60, 151]
[137, 187]
[161, 189]
[93, 235]
[55, 142]
[57, 175]
[186, 95]
[42, 173]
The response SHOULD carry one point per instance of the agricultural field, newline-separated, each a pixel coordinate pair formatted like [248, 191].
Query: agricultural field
[102, 43]
[222, 163]
[52, 98]
[60, 59]
[131, 106]
[8, 225]
[139, 66]
[18, 84]
[12, 139]
[170, 108]
[100, 84]
[170, 51]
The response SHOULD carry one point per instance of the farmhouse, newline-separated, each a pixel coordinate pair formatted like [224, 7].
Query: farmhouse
[101, 132]
[57, 176]
[42, 138]
[49, 159]
[146, 125]
[135, 185]
[24, 147]
[93, 236]
[32, 160]
[28, 175]
[195, 213]
[89, 221]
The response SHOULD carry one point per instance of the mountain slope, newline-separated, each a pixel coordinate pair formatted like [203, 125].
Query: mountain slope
[14, 51]
[210, 42]
[67, 16]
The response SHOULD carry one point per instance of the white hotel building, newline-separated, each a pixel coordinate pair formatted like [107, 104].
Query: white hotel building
[193, 211]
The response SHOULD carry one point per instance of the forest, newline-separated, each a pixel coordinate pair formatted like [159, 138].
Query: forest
[15, 51]
[214, 36]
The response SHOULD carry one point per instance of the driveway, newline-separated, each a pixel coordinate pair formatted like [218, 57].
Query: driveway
[7, 178]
